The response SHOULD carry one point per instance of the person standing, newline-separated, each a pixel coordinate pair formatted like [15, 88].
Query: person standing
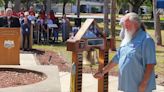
[25, 25]
[43, 22]
[136, 58]
[8, 20]
[55, 21]
[31, 11]
[66, 28]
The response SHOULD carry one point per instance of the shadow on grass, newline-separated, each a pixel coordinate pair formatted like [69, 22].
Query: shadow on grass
[33, 51]
[61, 44]
[37, 51]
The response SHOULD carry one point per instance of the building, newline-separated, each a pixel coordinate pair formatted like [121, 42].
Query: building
[86, 6]
[92, 6]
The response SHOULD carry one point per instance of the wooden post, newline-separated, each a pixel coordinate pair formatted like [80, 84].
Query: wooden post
[38, 33]
[76, 85]
[73, 71]
[48, 35]
[31, 36]
[103, 82]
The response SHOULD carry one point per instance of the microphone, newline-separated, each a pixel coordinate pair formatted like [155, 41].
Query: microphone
[9, 21]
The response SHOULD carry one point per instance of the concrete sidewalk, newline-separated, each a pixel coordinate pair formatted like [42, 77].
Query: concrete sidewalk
[89, 83]
[27, 59]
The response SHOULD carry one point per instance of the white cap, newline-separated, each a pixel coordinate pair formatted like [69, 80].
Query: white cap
[26, 13]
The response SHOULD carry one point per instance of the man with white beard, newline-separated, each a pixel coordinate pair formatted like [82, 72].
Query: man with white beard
[127, 38]
[135, 57]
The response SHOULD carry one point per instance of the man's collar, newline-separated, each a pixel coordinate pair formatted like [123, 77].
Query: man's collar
[137, 33]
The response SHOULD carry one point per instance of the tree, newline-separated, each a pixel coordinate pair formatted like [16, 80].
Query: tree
[17, 5]
[113, 23]
[27, 3]
[157, 24]
[148, 3]
[78, 8]
[120, 4]
[2, 3]
[106, 19]
[65, 2]
[136, 4]
[6, 3]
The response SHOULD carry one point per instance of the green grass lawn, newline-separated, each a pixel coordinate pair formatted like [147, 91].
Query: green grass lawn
[162, 19]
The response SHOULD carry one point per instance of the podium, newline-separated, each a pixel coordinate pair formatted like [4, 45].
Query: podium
[9, 46]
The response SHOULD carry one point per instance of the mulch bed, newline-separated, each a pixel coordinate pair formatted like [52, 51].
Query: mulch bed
[16, 77]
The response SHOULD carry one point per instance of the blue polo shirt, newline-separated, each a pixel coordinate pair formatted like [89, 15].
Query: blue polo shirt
[132, 59]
